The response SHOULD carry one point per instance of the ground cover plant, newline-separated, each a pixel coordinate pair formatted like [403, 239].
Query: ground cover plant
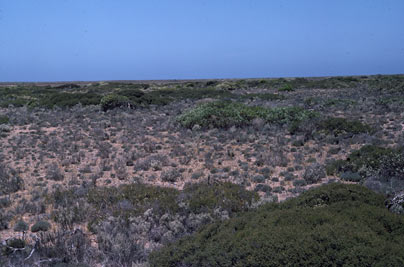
[105, 173]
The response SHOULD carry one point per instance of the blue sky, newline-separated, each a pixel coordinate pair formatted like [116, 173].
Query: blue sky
[62, 40]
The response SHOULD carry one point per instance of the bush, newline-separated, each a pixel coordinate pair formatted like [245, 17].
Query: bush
[314, 173]
[3, 119]
[21, 226]
[141, 197]
[351, 176]
[10, 182]
[338, 126]
[330, 225]
[224, 114]
[114, 101]
[40, 226]
[226, 196]
[286, 88]
[64, 100]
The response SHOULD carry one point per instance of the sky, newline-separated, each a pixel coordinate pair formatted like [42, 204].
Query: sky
[87, 40]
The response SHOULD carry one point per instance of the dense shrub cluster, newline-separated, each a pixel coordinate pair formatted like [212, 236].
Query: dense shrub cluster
[381, 169]
[224, 114]
[331, 225]
[64, 100]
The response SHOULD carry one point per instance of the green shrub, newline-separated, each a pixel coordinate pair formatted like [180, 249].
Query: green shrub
[224, 114]
[40, 226]
[338, 126]
[286, 88]
[331, 225]
[63, 100]
[383, 164]
[21, 226]
[351, 176]
[3, 119]
[227, 196]
[114, 101]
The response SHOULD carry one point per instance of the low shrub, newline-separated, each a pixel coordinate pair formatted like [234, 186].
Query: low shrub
[64, 100]
[332, 224]
[226, 196]
[3, 119]
[224, 114]
[10, 181]
[286, 88]
[114, 101]
[338, 126]
[40, 226]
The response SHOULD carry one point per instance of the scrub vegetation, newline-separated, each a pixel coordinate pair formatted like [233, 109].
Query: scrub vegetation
[254, 172]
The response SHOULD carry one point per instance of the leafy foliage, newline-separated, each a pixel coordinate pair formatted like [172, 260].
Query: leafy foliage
[333, 224]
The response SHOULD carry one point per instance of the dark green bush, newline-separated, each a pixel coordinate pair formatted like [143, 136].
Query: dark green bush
[114, 101]
[20, 226]
[40, 226]
[224, 114]
[351, 176]
[338, 126]
[64, 99]
[3, 119]
[333, 225]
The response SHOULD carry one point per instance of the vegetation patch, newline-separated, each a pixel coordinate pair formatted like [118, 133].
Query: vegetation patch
[333, 224]
[64, 100]
[133, 199]
[226, 196]
[224, 114]
[339, 126]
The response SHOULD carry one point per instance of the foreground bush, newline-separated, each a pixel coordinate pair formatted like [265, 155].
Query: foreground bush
[224, 114]
[332, 225]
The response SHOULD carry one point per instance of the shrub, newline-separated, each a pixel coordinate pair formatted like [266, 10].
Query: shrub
[286, 88]
[63, 99]
[40, 226]
[114, 101]
[329, 225]
[224, 114]
[21, 226]
[351, 176]
[10, 182]
[314, 173]
[141, 197]
[3, 119]
[227, 196]
[338, 126]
